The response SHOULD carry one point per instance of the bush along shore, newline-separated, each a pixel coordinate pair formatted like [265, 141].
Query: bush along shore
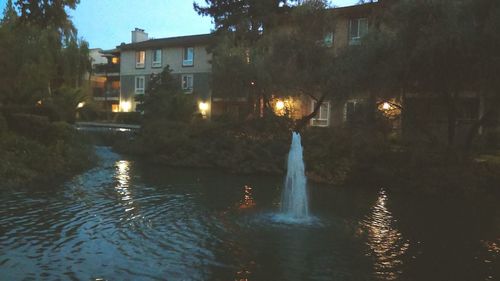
[342, 157]
[35, 150]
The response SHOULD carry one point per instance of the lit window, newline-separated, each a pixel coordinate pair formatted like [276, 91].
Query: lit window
[140, 58]
[115, 107]
[188, 57]
[115, 60]
[322, 118]
[187, 83]
[156, 58]
[357, 29]
[139, 85]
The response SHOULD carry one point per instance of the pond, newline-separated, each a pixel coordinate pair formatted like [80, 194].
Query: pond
[126, 221]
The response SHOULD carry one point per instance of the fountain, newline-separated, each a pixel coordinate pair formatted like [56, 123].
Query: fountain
[294, 203]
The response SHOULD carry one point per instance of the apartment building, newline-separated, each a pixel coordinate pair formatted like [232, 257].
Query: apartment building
[186, 56]
[105, 78]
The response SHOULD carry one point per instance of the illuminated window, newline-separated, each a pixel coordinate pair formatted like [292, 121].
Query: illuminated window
[357, 29]
[140, 58]
[115, 107]
[115, 60]
[187, 83]
[156, 58]
[188, 57]
[322, 118]
[139, 85]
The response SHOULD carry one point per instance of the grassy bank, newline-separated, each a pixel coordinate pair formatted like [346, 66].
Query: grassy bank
[333, 156]
[33, 150]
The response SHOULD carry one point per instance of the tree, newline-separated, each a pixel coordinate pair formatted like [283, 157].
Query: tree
[284, 56]
[164, 99]
[247, 18]
[43, 62]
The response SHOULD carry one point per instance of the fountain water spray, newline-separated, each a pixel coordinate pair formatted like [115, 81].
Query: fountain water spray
[294, 202]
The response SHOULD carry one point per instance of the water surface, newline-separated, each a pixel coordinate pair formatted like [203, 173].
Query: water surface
[127, 221]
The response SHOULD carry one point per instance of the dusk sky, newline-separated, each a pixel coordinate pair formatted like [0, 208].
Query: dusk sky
[107, 23]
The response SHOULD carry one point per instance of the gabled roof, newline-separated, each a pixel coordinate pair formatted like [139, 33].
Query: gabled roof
[186, 41]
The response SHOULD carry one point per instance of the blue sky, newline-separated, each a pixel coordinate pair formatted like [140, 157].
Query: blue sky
[107, 23]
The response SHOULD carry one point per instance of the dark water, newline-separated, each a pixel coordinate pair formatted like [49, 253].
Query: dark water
[124, 221]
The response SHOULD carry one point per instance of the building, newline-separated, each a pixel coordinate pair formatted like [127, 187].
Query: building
[105, 79]
[187, 57]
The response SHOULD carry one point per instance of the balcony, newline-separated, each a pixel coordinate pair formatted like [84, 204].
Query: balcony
[106, 69]
[100, 94]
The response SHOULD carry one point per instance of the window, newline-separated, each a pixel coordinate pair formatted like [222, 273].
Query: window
[187, 83]
[188, 57]
[139, 85]
[322, 119]
[156, 58]
[357, 29]
[328, 41]
[353, 111]
[140, 58]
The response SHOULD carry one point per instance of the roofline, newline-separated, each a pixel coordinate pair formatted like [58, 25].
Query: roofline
[197, 39]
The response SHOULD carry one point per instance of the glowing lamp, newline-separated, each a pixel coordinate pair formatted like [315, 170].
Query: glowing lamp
[280, 105]
[125, 106]
[203, 106]
[80, 105]
[386, 106]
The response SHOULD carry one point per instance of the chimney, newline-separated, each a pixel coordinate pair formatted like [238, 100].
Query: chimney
[138, 35]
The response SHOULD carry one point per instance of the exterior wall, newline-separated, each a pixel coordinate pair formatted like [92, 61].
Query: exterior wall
[96, 56]
[173, 57]
[341, 34]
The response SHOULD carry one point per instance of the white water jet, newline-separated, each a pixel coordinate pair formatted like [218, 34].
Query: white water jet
[294, 202]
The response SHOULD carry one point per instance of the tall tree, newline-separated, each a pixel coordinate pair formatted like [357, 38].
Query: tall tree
[247, 18]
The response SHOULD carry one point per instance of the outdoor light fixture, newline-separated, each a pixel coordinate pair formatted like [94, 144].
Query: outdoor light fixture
[386, 106]
[280, 105]
[125, 106]
[80, 105]
[204, 107]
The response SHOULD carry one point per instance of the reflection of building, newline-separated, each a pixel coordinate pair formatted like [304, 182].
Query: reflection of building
[186, 56]
[105, 78]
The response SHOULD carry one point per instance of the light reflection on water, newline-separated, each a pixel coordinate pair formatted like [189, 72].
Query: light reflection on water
[387, 244]
[247, 201]
[116, 223]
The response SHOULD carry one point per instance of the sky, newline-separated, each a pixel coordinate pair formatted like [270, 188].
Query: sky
[107, 23]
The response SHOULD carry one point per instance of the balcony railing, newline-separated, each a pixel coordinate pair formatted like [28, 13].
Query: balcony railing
[105, 68]
[101, 93]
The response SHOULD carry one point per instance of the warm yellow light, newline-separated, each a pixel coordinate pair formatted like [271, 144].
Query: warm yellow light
[203, 106]
[115, 108]
[386, 106]
[114, 60]
[125, 106]
[280, 105]
[80, 105]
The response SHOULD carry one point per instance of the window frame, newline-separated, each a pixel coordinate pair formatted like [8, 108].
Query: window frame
[138, 56]
[329, 39]
[157, 63]
[187, 90]
[139, 91]
[353, 40]
[317, 119]
[357, 103]
[185, 54]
